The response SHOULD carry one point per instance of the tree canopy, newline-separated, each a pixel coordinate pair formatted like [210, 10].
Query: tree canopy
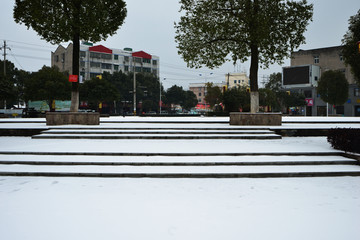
[333, 87]
[213, 94]
[59, 21]
[350, 41]
[71, 20]
[47, 84]
[177, 95]
[214, 31]
[7, 87]
[98, 90]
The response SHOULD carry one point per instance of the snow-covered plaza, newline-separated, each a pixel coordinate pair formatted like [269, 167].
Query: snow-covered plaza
[177, 208]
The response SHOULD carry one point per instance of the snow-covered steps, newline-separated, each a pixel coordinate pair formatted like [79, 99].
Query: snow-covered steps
[178, 166]
[157, 133]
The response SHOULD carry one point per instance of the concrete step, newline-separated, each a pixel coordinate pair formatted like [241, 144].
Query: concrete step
[159, 136]
[224, 166]
[156, 173]
[156, 134]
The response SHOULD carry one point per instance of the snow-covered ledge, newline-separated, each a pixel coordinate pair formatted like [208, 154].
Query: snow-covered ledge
[66, 118]
[263, 119]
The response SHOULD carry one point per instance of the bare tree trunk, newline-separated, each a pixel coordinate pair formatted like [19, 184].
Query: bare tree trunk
[254, 102]
[254, 88]
[75, 71]
[254, 64]
[75, 63]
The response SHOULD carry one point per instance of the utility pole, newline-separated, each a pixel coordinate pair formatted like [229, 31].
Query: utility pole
[160, 95]
[4, 48]
[228, 81]
[134, 91]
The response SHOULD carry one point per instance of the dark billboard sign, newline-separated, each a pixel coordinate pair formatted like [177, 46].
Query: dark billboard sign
[296, 75]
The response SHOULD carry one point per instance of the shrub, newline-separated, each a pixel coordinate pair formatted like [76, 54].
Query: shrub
[346, 139]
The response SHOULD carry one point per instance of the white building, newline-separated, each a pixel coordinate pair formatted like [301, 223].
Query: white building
[94, 60]
[237, 80]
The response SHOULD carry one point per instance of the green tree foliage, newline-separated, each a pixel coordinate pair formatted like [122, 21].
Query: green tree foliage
[213, 94]
[47, 84]
[350, 50]
[8, 82]
[293, 99]
[21, 77]
[71, 20]
[177, 95]
[274, 83]
[96, 91]
[174, 95]
[268, 97]
[277, 98]
[190, 100]
[236, 99]
[147, 89]
[333, 87]
[265, 30]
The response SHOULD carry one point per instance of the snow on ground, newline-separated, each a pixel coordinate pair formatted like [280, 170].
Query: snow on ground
[286, 144]
[211, 209]
[42, 208]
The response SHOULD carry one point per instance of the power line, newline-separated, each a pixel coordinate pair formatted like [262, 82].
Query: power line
[17, 61]
[26, 43]
[32, 57]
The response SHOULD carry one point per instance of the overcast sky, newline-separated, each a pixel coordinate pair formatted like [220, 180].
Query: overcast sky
[149, 26]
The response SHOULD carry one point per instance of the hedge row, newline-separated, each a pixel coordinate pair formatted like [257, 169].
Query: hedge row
[346, 139]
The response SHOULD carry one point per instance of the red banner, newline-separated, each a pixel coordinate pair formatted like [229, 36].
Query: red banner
[73, 78]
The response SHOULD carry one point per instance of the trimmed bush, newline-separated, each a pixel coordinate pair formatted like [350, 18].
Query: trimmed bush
[346, 139]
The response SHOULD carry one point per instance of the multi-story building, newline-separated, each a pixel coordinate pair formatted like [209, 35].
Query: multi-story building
[199, 90]
[307, 66]
[231, 80]
[237, 80]
[94, 60]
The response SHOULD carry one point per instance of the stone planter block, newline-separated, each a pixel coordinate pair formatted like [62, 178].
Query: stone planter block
[263, 119]
[78, 118]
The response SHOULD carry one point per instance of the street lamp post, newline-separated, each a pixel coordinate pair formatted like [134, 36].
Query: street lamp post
[160, 96]
[205, 89]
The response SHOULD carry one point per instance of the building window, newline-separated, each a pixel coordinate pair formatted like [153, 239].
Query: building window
[82, 64]
[356, 92]
[95, 64]
[106, 56]
[154, 62]
[316, 59]
[199, 100]
[63, 57]
[82, 54]
[234, 81]
[199, 94]
[106, 66]
[126, 58]
[146, 60]
[93, 75]
[57, 58]
[126, 68]
[116, 57]
[341, 58]
[94, 55]
[154, 71]
[116, 67]
[137, 60]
